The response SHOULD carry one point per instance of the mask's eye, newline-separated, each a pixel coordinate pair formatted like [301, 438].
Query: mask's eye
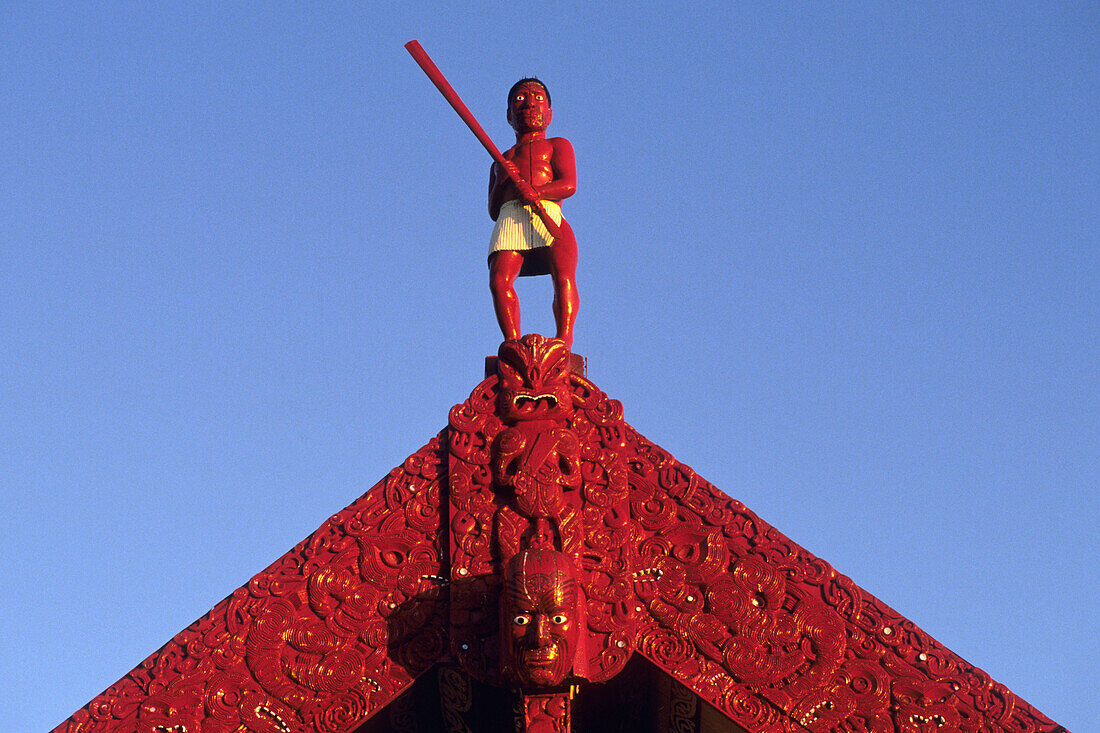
[521, 620]
[518, 98]
[559, 619]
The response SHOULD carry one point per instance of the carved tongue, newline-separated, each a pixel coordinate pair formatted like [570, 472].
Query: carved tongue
[532, 402]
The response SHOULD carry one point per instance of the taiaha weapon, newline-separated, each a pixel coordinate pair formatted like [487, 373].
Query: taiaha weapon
[422, 59]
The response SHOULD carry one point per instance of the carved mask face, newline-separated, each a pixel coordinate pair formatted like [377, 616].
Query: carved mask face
[925, 707]
[540, 621]
[534, 379]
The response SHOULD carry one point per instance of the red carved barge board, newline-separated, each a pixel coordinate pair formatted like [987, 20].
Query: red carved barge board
[673, 569]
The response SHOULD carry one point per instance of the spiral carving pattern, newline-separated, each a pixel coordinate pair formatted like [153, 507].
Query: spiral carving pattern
[672, 568]
[797, 646]
[319, 641]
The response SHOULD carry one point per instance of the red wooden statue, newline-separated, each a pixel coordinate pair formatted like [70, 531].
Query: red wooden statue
[535, 169]
[526, 186]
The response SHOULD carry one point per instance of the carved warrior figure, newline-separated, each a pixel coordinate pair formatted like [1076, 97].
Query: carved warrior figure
[526, 186]
[537, 170]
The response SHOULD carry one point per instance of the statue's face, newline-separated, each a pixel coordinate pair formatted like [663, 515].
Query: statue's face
[529, 109]
[540, 617]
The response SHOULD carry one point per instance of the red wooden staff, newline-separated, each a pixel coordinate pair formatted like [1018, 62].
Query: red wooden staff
[422, 59]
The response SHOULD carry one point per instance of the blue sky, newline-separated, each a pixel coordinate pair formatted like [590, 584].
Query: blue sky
[840, 258]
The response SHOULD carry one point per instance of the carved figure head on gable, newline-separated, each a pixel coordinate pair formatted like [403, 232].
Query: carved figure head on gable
[542, 618]
[534, 379]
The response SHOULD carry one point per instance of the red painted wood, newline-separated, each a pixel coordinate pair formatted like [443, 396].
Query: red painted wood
[670, 567]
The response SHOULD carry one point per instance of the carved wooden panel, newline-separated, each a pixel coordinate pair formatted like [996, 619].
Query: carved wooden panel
[527, 452]
[319, 641]
[775, 637]
[538, 465]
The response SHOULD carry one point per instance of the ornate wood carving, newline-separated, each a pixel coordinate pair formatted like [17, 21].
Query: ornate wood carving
[547, 712]
[539, 463]
[319, 641]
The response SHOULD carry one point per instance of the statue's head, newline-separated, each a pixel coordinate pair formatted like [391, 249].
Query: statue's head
[541, 617]
[529, 106]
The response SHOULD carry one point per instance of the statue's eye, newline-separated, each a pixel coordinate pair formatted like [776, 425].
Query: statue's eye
[559, 619]
[521, 620]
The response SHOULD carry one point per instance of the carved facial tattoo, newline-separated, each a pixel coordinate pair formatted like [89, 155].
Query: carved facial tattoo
[540, 620]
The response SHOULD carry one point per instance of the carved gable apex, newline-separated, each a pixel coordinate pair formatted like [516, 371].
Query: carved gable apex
[669, 567]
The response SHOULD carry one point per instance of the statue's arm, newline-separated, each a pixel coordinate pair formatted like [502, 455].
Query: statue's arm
[497, 180]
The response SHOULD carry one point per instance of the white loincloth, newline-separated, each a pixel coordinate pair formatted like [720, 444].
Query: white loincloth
[520, 228]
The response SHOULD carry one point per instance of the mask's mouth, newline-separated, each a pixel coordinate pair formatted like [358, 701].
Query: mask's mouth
[531, 403]
[541, 656]
[936, 720]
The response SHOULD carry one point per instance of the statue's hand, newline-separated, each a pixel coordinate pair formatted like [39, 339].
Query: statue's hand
[528, 193]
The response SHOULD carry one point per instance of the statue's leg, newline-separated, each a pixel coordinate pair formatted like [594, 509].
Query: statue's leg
[503, 269]
[563, 270]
